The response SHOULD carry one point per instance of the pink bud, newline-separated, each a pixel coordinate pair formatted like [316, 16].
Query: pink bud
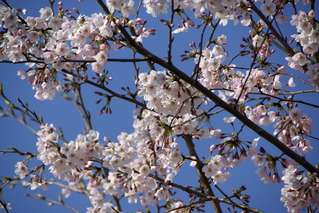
[106, 47]
[76, 10]
[106, 139]
[312, 13]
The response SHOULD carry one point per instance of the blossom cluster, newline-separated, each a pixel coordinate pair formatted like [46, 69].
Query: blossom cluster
[50, 43]
[293, 130]
[125, 165]
[72, 155]
[174, 101]
[299, 191]
[308, 39]
[214, 169]
[224, 10]
[237, 85]
[159, 88]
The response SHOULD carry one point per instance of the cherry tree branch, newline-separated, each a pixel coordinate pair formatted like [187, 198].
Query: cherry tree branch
[289, 51]
[82, 109]
[16, 151]
[114, 94]
[205, 196]
[288, 100]
[199, 166]
[61, 202]
[11, 113]
[170, 36]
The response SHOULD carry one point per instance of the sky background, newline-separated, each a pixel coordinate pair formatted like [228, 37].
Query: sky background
[63, 114]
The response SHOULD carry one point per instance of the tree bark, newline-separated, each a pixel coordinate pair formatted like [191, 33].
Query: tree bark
[199, 167]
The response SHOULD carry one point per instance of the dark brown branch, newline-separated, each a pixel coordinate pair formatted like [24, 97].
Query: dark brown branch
[118, 204]
[199, 167]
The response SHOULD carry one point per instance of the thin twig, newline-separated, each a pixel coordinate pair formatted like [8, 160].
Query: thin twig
[40, 197]
[82, 109]
[114, 94]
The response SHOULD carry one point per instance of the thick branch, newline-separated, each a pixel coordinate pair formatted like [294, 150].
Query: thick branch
[199, 166]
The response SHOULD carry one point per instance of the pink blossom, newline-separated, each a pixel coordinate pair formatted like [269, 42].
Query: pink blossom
[257, 159]
[220, 177]
[262, 172]
[216, 133]
[257, 41]
[209, 171]
[93, 135]
[291, 83]
[21, 169]
[22, 74]
[101, 57]
[282, 19]
[55, 23]
[62, 49]
[295, 114]
[229, 119]
[46, 13]
[313, 74]
[299, 59]
[161, 194]
[264, 120]
[16, 55]
[97, 67]
[246, 19]
[221, 39]
[268, 8]
[10, 18]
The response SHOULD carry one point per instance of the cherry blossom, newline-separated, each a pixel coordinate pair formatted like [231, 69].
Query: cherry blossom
[21, 170]
[268, 8]
[295, 189]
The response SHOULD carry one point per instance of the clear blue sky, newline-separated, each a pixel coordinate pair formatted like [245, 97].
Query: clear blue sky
[62, 113]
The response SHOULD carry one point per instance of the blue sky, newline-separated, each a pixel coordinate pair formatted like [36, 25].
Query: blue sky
[63, 114]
